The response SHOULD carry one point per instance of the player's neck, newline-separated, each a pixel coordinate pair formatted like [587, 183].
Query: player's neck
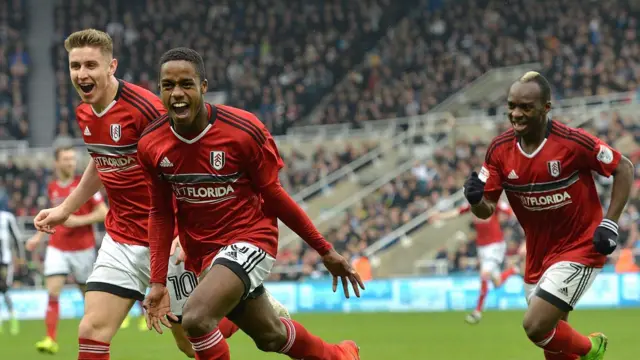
[531, 141]
[197, 125]
[62, 179]
[108, 97]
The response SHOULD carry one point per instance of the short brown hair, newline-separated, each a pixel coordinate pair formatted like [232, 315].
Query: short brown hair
[61, 148]
[91, 38]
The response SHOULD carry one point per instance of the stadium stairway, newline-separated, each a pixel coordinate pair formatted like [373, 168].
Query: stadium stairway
[353, 177]
[421, 243]
[491, 86]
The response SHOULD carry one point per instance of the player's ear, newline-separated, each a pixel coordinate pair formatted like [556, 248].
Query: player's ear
[547, 107]
[204, 86]
[113, 66]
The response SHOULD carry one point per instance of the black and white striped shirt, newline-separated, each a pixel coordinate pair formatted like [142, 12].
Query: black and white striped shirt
[10, 237]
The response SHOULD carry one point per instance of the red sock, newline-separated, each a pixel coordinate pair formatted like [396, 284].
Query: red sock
[52, 316]
[92, 350]
[227, 328]
[484, 289]
[211, 346]
[507, 274]
[301, 344]
[559, 356]
[564, 339]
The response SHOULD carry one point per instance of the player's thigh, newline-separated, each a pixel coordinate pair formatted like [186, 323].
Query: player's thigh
[218, 292]
[81, 263]
[121, 270]
[557, 293]
[256, 317]
[120, 276]
[103, 315]
[55, 262]
[54, 284]
[491, 258]
[238, 270]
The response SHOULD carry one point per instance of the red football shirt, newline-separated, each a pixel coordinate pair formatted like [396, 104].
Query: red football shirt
[112, 140]
[76, 238]
[488, 231]
[552, 193]
[216, 178]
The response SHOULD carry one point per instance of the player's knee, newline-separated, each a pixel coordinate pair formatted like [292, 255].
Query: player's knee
[92, 328]
[272, 340]
[535, 328]
[196, 322]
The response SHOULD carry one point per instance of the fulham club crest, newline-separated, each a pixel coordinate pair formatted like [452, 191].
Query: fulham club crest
[216, 158]
[116, 132]
[554, 168]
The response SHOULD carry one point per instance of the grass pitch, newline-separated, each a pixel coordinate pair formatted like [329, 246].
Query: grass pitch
[381, 336]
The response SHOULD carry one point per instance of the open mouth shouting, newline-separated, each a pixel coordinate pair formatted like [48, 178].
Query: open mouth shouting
[519, 125]
[181, 110]
[86, 88]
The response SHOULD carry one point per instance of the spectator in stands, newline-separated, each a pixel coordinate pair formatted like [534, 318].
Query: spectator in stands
[430, 55]
[14, 70]
[276, 58]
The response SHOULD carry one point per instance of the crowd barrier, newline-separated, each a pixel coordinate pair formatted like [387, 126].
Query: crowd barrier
[448, 293]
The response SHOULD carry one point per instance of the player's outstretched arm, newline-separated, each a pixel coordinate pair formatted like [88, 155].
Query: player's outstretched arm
[90, 184]
[33, 242]
[606, 161]
[87, 187]
[621, 188]
[264, 166]
[98, 214]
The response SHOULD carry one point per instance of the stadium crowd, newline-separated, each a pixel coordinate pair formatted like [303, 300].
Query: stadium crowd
[14, 70]
[279, 59]
[583, 51]
[276, 58]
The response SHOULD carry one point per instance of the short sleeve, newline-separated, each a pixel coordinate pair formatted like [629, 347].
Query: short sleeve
[265, 164]
[597, 155]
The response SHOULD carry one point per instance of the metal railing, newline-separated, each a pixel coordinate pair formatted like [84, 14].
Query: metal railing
[340, 208]
[559, 107]
[414, 223]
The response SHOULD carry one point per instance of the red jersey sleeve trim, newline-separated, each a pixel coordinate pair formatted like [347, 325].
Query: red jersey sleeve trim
[243, 124]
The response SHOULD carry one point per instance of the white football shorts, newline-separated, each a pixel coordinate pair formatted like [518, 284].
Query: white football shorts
[124, 270]
[491, 257]
[563, 284]
[251, 264]
[77, 263]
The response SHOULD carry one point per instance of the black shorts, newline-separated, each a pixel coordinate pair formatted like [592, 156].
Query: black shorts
[6, 277]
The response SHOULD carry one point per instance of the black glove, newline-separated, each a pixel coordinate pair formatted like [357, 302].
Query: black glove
[605, 238]
[474, 189]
